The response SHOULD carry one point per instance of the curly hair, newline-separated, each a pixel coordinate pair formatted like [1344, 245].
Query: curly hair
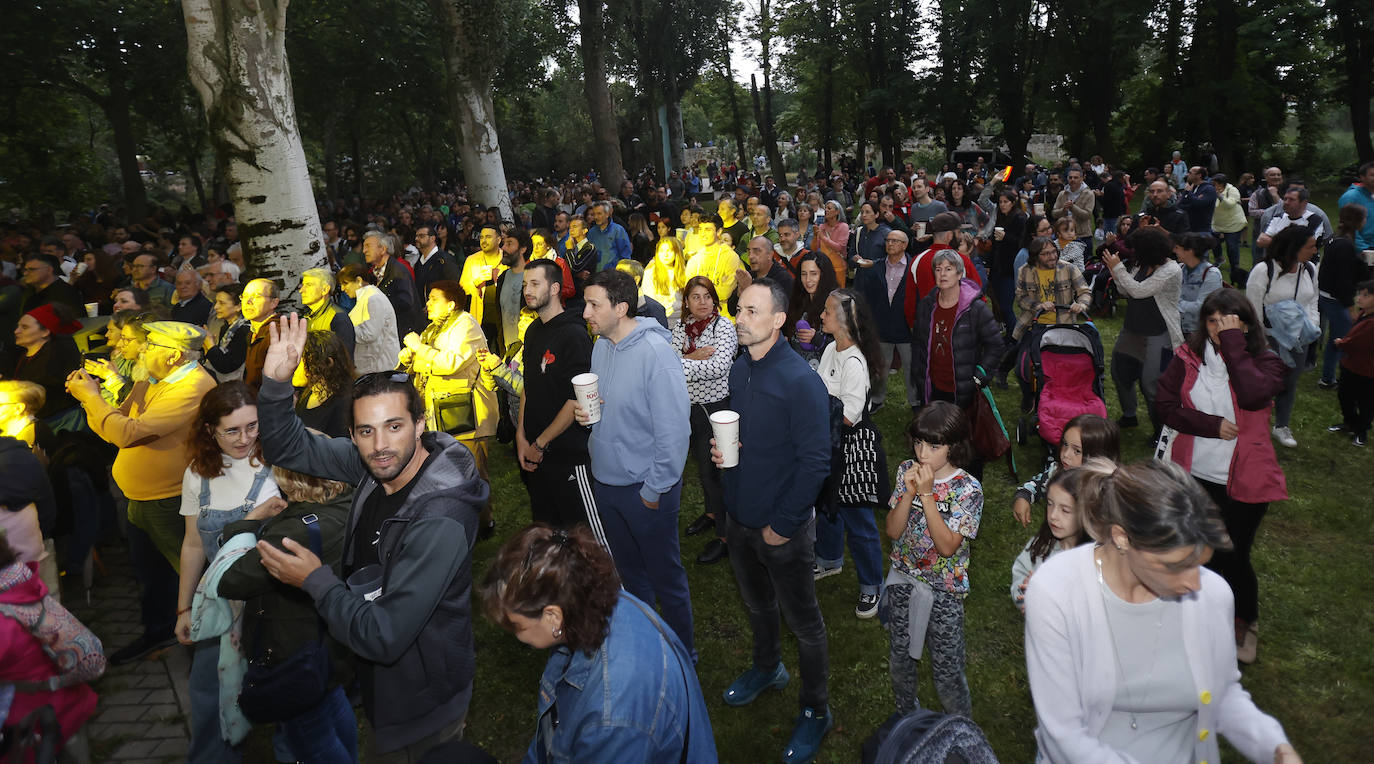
[207, 458]
[327, 363]
[542, 566]
[452, 291]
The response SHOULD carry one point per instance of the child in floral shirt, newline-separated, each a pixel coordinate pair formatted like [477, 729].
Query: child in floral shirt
[936, 507]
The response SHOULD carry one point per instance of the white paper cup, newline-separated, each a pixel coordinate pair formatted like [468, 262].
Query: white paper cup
[92, 309]
[588, 399]
[999, 230]
[725, 427]
[1039, 208]
[920, 229]
[1369, 257]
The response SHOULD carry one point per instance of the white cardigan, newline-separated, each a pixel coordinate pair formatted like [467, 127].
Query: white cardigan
[1165, 285]
[374, 324]
[1072, 667]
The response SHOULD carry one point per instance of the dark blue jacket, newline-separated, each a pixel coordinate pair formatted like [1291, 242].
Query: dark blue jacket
[1199, 203]
[889, 315]
[784, 435]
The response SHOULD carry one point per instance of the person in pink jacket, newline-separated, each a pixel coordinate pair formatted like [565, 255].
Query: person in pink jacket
[1217, 394]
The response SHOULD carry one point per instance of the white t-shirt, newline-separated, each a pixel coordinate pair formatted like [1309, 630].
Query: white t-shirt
[845, 373]
[229, 490]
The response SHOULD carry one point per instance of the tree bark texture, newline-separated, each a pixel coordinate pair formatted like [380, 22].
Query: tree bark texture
[474, 41]
[596, 86]
[236, 54]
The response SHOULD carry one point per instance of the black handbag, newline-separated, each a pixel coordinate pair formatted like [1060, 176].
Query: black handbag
[454, 413]
[275, 691]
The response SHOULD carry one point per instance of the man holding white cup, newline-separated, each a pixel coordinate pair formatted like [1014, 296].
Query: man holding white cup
[770, 497]
[639, 446]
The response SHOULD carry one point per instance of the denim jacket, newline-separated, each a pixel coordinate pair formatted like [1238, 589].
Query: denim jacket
[1197, 284]
[633, 700]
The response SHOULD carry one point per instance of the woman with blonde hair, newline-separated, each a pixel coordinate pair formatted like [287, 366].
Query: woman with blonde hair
[665, 276]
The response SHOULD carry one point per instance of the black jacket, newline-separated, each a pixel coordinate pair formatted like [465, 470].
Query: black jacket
[439, 267]
[889, 315]
[194, 311]
[399, 287]
[977, 342]
[413, 643]
[278, 619]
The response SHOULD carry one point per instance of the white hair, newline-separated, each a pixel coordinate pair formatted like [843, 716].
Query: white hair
[230, 268]
[839, 208]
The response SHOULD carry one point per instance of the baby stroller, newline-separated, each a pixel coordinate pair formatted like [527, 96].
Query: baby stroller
[1099, 278]
[1061, 369]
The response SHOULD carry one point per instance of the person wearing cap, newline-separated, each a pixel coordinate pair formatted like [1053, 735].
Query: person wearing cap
[920, 278]
[151, 429]
[322, 315]
[46, 354]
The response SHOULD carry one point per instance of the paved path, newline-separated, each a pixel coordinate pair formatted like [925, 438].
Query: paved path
[144, 706]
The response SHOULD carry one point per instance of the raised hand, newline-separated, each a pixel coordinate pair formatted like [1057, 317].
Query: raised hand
[288, 341]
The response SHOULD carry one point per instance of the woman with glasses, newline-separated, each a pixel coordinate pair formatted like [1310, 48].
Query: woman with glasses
[1045, 286]
[226, 480]
[125, 336]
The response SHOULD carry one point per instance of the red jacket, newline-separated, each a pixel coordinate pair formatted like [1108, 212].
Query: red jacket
[920, 278]
[1254, 476]
[1357, 347]
[22, 660]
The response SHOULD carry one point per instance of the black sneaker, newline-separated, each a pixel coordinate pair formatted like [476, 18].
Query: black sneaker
[1338, 427]
[140, 648]
[1326, 384]
[1127, 421]
[1359, 440]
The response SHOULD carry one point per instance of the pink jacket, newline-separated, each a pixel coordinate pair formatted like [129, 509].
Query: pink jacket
[1255, 476]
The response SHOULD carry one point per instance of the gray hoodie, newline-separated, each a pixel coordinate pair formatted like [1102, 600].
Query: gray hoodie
[413, 643]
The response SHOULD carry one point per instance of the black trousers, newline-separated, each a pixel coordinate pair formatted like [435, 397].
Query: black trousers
[1242, 523]
[1356, 393]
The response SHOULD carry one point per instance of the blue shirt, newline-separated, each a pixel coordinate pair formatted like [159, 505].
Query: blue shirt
[1358, 194]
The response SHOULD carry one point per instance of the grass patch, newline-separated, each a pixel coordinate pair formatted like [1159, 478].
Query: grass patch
[1315, 672]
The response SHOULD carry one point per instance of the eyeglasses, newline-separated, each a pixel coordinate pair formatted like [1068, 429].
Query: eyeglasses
[152, 344]
[398, 377]
[234, 432]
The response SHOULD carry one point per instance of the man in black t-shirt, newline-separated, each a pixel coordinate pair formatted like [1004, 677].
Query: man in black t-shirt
[553, 454]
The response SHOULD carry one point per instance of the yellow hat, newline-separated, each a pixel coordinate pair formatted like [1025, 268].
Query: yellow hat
[175, 334]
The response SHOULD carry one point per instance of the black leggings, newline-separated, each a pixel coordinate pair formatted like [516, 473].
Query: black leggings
[1242, 523]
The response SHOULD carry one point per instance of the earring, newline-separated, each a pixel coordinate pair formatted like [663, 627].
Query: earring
[557, 633]
[1120, 548]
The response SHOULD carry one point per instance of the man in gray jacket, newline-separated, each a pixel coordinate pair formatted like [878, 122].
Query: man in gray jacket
[405, 612]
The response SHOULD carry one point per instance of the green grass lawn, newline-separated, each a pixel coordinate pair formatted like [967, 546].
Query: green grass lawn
[1315, 672]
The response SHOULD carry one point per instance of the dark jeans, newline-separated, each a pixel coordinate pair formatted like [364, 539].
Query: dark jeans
[1356, 394]
[208, 745]
[1232, 243]
[1337, 325]
[779, 578]
[712, 489]
[644, 544]
[1242, 523]
[1288, 397]
[1004, 292]
[157, 583]
[327, 733]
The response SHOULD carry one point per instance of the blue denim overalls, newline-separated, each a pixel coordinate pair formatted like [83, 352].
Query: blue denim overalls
[211, 522]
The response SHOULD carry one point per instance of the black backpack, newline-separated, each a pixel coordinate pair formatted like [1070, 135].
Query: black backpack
[928, 737]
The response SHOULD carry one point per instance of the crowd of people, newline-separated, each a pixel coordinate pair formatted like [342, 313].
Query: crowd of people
[301, 485]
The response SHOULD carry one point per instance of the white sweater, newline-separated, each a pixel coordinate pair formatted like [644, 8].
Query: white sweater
[1072, 667]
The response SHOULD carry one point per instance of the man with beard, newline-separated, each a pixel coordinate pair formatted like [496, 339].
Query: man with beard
[1161, 209]
[515, 251]
[551, 451]
[479, 280]
[406, 612]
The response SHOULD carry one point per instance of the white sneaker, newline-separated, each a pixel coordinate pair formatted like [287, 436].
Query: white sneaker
[1285, 437]
[818, 572]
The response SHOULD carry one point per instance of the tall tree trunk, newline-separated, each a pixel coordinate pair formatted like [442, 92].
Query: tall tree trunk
[596, 86]
[656, 143]
[677, 156]
[472, 44]
[763, 101]
[1357, 56]
[236, 54]
[117, 111]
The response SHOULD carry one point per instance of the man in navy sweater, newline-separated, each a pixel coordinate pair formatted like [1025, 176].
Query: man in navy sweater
[784, 437]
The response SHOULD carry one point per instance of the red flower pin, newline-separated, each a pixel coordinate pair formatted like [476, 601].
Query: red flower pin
[548, 359]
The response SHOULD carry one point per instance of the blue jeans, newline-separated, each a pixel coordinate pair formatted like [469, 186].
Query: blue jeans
[327, 733]
[1232, 242]
[863, 545]
[779, 578]
[644, 544]
[1338, 324]
[208, 745]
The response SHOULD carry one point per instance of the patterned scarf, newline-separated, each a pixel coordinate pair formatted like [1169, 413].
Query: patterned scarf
[694, 330]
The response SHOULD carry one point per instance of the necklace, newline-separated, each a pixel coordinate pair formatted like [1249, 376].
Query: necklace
[1116, 647]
